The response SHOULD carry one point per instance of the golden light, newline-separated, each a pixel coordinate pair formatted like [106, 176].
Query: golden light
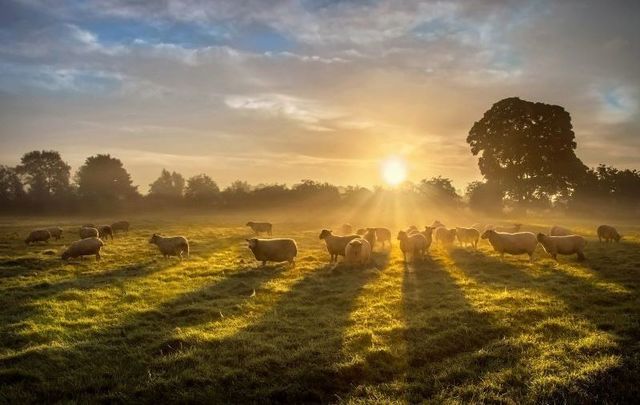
[394, 171]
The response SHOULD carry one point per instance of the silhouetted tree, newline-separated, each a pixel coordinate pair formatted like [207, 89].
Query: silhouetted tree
[202, 189]
[527, 149]
[11, 189]
[104, 181]
[485, 197]
[439, 189]
[169, 186]
[310, 189]
[46, 175]
[237, 193]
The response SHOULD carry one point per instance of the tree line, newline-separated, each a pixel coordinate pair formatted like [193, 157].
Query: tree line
[526, 155]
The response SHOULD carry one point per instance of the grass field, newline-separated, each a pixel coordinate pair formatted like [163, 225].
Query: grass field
[462, 326]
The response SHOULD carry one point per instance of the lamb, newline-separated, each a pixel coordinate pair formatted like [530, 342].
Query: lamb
[273, 250]
[415, 245]
[86, 232]
[608, 233]
[357, 252]
[346, 229]
[336, 244]
[38, 235]
[563, 245]
[56, 232]
[445, 236]
[468, 236]
[512, 243]
[120, 226]
[559, 231]
[105, 231]
[171, 245]
[83, 247]
[370, 236]
[260, 227]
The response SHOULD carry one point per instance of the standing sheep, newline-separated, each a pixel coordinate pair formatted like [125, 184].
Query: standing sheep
[56, 232]
[512, 243]
[563, 245]
[171, 245]
[415, 245]
[38, 235]
[383, 235]
[273, 250]
[346, 229]
[336, 244]
[86, 232]
[105, 231]
[83, 247]
[260, 227]
[370, 236]
[559, 231]
[120, 226]
[608, 233]
[357, 252]
[468, 236]
[445, 236]
[428, 236]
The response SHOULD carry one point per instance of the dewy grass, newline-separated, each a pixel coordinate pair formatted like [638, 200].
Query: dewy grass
[462, 326]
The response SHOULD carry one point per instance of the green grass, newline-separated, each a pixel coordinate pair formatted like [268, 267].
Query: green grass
[461, 327]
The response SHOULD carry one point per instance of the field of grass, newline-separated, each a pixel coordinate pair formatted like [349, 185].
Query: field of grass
[462, 326]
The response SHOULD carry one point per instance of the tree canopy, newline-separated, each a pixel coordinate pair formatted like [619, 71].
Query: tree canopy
[170, 185]
[45, 174]
[201, 188]
[103, 178]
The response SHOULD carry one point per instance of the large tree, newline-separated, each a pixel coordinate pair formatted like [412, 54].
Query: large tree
[527, 148]
[11, 189]
[202, 189]
[439, 189]
[167, 186]
[103, 178]
[45, 174]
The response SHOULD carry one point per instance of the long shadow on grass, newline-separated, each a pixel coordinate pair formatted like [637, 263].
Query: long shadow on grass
[585, 299]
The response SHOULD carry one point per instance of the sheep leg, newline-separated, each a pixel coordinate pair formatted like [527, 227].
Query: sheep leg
[581, 256]
[97, 256]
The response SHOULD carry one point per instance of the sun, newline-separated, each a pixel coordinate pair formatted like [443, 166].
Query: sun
[394, 171]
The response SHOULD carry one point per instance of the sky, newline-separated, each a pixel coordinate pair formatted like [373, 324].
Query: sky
[282, 90]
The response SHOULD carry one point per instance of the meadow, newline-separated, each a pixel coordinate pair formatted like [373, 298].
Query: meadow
[460, 327]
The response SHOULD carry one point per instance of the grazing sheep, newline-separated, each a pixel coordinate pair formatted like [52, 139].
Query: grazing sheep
[86, 232]
[171, 245]
[468, 236]
[120, 226]
[336, 244]
[383, 235]
[56, 232]
[515, 228]
[445, 236]
[105, 231]
[370, 236]
[559, 231]
[273, 250]
[357, 252]
[415, 245]
[512, 243]
[260, 227]
[563, 245]
[428, 236]
[38, 235]
[608, 233]
[346, 229]
[83, 247]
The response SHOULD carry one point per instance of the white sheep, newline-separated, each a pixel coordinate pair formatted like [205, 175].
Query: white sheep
[56, 232]
[512, 243]
[87, 232]
[105, 231]
[83, 247]
[608, 233]
[563, 245]
[468, 236]
[357, 252]
[261, 227]
[557, 230]
[171, 245]
[38, 235]
[445, 236]
[335, 244]
[414, 245]
[382, 235]
[273, 250]
[428, 236]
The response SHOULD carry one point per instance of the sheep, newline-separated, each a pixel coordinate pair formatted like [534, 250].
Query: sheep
[512, 243]
[437, 224]
[563, 245]
[335, 244]
[86, 232]
[361, 231]
[56, 232]
[515, 228]
[105, 231]
[428, 236]
[559, 231]
[357, 252]
[260, 227]
[415, 245]
[120, 226]
[608, 233]
[346, 229]
[83, 247]
[445, 236]
[383, 235]
[38, 235]
[273, 250]
[171, 245]
[468, 236]
[412, 229]
[370, 236]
